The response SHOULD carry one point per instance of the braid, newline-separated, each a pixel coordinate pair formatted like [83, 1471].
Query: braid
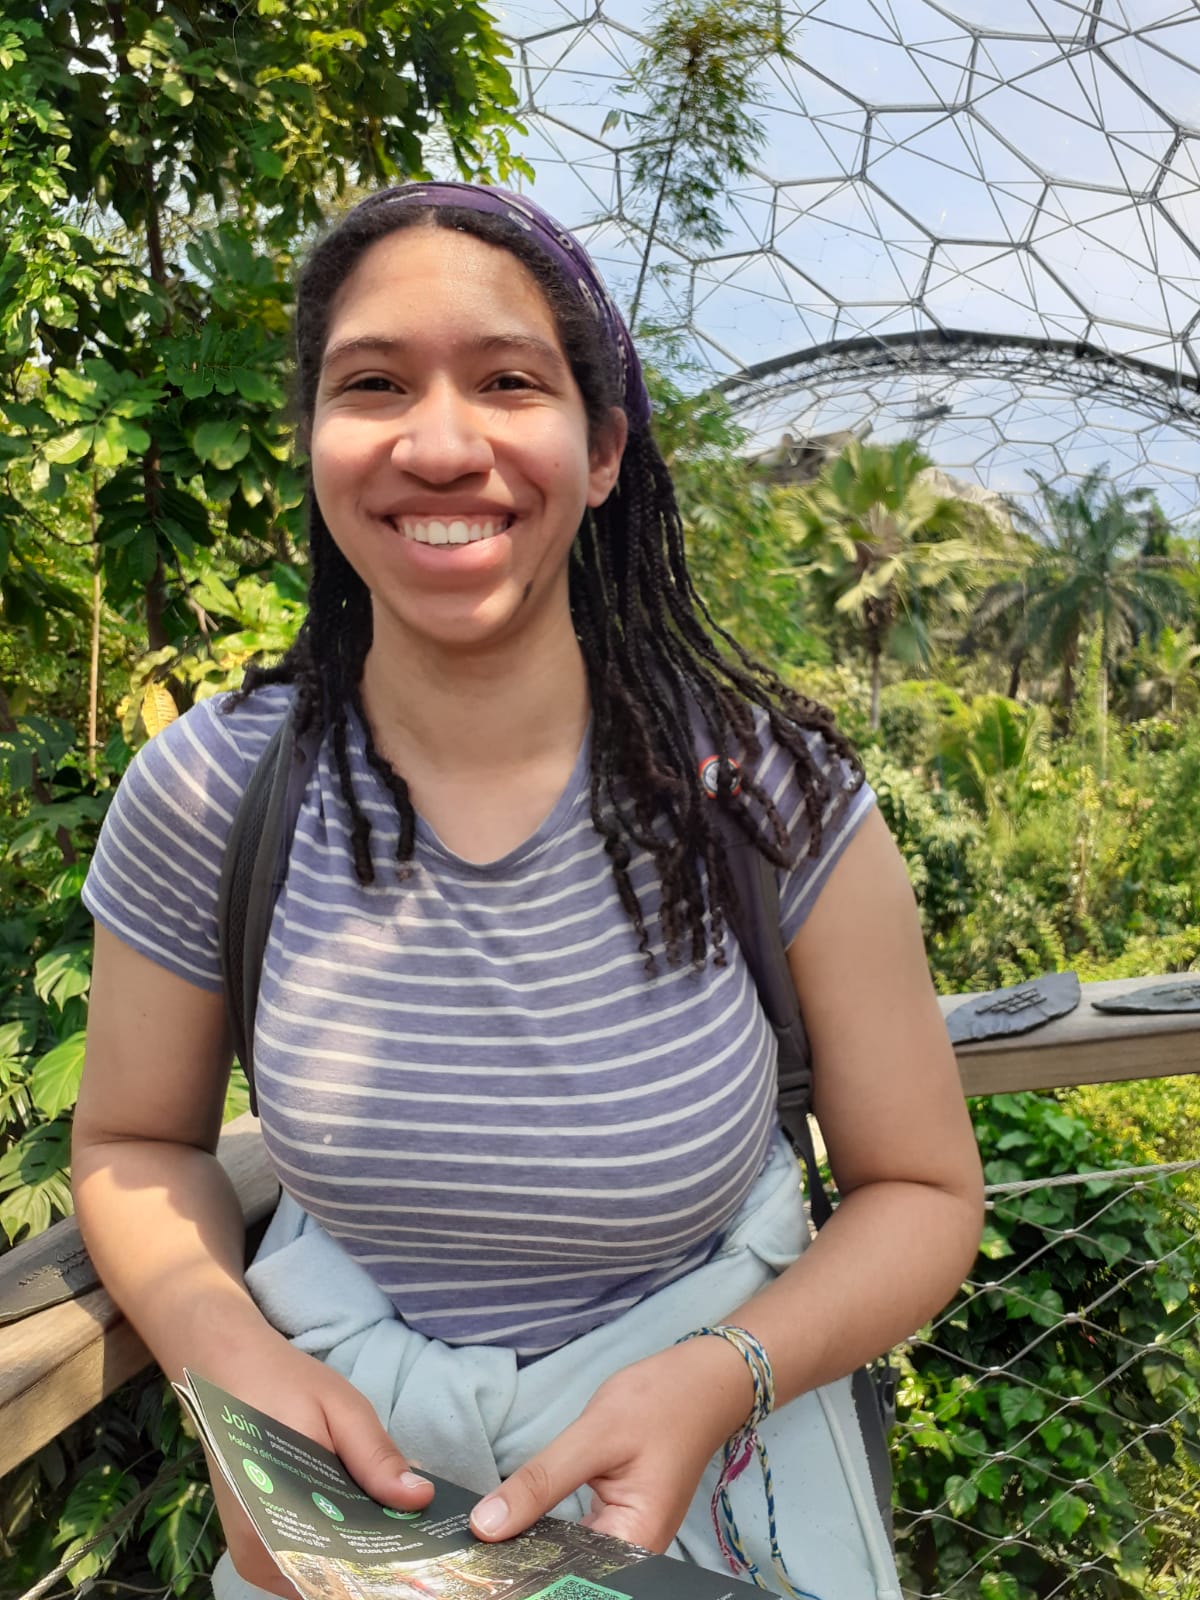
[325, 665]
[658, 664]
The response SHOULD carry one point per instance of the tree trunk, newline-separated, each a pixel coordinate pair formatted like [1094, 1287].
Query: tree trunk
[1014, 674]
[1068, 676]
[156, 589]
[1102, 718]
[876, 685]
[652, 231]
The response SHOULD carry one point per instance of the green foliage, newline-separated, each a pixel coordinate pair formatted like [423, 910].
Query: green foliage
[690, 94]
[939, 839]
[1090, 573]
[885, 551]
[144, 353]
[737, 535]
[990, 750]
[161, 167]
[1019, 1413]
[121, 1490]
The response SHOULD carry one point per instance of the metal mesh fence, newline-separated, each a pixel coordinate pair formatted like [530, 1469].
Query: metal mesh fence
[1048, 1445]
[1048, 1441]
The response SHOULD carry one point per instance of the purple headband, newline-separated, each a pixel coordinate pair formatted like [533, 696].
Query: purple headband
[564, 251]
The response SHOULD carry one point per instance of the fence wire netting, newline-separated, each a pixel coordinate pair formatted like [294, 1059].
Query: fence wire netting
[1048, 1436]
[1048, 1443]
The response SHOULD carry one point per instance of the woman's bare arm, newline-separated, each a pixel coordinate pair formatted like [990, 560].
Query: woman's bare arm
[903, 1152]
[164, 1227]
[159, 1215]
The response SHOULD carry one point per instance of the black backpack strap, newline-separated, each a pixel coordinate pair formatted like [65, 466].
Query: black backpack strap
[253, 872]
[756, 926]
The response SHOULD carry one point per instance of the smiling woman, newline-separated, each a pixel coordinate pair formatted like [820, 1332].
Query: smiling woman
[512, 1069]
[472, 446]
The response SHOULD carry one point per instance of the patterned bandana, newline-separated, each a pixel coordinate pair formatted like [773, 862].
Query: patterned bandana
[567, 254]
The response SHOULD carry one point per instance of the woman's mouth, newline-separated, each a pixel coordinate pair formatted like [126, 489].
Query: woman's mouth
[450, 530]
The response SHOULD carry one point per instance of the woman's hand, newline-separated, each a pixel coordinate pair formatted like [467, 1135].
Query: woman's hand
[301, 1392]
[641, 1445]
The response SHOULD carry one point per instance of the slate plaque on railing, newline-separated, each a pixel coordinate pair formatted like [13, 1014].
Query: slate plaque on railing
[44, 1272]
[1022, 1008]
[1166, 997]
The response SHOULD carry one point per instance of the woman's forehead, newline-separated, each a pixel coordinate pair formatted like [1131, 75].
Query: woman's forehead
[419, 275]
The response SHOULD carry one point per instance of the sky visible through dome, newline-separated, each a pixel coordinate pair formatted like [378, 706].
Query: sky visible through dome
[1024, 168]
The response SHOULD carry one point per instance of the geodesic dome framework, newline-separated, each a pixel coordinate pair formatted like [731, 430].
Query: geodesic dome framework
[975, 221]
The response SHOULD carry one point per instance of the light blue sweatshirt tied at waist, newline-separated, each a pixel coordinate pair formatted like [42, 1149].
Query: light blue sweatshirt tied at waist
[473, 1415]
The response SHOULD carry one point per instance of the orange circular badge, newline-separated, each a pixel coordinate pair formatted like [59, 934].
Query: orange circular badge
[710, 774]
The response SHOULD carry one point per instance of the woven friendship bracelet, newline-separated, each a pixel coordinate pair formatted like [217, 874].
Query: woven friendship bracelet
[738, 1450]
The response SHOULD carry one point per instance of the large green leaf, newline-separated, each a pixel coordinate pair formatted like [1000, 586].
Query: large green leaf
[99, 1496]
[222, 442]
[66, 971]
[54, 1082]
[33, 1180]
[1068, 1513]
[184, 1540]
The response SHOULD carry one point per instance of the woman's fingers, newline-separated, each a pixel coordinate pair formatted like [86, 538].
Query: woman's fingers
[532, 1490]
[368, 1453]
[248, 1553]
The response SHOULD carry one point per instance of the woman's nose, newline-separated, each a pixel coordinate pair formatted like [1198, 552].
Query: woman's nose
[442, 436]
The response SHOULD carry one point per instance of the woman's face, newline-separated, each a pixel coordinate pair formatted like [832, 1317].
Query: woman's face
[450, 449]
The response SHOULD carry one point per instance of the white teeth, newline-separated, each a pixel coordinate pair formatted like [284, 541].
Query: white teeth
[432, 530]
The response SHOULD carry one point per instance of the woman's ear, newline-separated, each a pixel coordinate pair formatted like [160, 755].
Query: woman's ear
[605, 456]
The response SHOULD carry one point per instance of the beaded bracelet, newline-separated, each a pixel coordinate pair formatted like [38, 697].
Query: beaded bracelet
[738, 1450]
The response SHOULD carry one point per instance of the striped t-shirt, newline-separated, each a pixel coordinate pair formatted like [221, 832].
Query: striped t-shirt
[465, 1074]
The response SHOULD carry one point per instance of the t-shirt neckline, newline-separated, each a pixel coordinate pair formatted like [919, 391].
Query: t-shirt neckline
[545, 832]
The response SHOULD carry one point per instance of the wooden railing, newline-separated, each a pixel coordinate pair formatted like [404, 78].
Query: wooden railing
[56, 1364]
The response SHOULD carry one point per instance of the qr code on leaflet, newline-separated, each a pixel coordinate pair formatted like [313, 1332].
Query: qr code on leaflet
[578, 1589]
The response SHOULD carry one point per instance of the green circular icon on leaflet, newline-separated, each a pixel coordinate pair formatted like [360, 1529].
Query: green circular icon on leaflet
[328, 1507]
[258, 1477]
[400, 1516]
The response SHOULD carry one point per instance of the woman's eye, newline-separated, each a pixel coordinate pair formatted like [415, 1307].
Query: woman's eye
[512, 381]
[375, 383]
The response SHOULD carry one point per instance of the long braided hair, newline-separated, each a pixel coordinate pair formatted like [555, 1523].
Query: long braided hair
[657, 663]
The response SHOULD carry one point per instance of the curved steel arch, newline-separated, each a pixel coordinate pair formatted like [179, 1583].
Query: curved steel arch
[1077, 368]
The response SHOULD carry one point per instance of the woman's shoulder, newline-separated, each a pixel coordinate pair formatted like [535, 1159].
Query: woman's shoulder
[154, 877]
[201, 762]
[785, 750]
[226, 731]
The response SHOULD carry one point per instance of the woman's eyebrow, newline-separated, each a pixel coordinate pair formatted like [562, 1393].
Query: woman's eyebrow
[484, 344]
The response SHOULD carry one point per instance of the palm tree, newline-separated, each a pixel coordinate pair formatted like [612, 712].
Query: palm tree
[886, 549]
[1092, 573]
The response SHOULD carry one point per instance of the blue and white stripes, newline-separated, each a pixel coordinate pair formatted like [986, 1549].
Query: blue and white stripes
[466, 1077]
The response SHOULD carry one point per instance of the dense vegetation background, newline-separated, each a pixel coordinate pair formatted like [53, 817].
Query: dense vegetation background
[1025, 692]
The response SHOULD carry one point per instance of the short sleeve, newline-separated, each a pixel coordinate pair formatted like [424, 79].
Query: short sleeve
[849, 802]
[154, 878]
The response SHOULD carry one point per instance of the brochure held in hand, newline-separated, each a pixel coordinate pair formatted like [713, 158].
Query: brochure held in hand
[335, 1543]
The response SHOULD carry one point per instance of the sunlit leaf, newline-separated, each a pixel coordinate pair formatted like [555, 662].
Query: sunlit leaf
[54, 1081]
[158, 708]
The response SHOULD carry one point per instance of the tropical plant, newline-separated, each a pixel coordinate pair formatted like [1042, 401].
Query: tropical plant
[988, 750]
[160, 168]
[1167, 672]
[1090, 573]
[887, 550]
[690, 93]
[1049, 1411]
[737, 534]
